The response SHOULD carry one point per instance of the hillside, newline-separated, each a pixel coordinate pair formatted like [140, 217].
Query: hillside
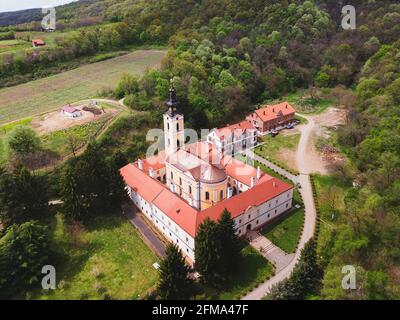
[226, 57]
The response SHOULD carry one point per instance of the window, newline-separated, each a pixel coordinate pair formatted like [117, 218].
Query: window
[168, 126]
[240, 220]
[275, 211]
[257, 222]
[180, 181]
[276, 201]
[187, 239]
[240, 231]
[207, 195]
[172, 175]
[169, 143]
[177, 126]
[287, 205]
[178, 143]
[221, 194]
[190, 189]
[249, 216]
[187, 250]
[269, 215]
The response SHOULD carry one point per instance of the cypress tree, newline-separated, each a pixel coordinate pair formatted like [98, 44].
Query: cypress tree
[229, 243]
[174, 283]
[208, 253]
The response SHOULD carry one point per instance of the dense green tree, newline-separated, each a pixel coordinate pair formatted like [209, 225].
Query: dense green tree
[23, 140]
[208, 253]
[24, 250]
[91, 184]
[174, 283]
[230, 242]
[23, 196]
[304, 279]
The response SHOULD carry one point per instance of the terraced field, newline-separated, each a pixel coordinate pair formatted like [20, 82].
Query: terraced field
[85, 82]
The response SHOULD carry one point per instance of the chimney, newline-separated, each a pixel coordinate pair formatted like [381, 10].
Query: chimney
[273, 110]
[258, 173]
[252, 182]
[264, 112]
[151, 172]
[140, 164]
[274, 184]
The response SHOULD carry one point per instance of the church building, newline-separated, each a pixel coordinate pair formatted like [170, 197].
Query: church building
[180, 187]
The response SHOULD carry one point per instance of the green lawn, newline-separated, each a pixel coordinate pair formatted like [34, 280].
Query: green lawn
[253, 269]
[105, 257]
[304, 103]
[330, 195]
[285, 231]
[274, 149]
[59, 142]
[85, 82]
[11, 46]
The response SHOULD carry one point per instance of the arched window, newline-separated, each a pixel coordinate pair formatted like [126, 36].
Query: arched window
[221, 194]
[180, 181]
[172, 175]
[178, 143]
[177, 126]
[190, 189]
[168, 125]
[207, 195]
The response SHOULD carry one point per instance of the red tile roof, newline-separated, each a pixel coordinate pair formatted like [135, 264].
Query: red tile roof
[139, 181]
[156, 162]
[269, 112]
[236, 128]
[38, 42]
[178, 210]
[69, 109]
[189, 218]
[243, 172]
[237, 205]
[155, 192]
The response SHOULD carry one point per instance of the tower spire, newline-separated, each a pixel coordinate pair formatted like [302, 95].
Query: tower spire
[172, 103]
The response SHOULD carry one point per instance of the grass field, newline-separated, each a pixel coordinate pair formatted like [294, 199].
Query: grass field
[285, 232]
[82, 83]
[59, 142]
[106, 257]
[10, 46]
[304, 103]
[280, 149]
[252, 270]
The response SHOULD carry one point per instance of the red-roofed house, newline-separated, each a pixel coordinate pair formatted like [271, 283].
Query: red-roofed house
[185, 184]
[71, 112]
[274, 117]
[233, 138]
[38, 43]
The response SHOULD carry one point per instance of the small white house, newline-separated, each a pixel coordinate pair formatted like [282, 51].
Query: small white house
[71, 112]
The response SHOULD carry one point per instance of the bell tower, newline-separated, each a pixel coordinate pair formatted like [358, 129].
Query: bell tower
[174, 136]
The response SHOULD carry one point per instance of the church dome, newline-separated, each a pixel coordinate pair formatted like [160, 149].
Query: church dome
[207, 173]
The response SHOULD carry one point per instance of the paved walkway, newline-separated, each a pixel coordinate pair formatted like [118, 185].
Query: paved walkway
[147, 234]
[279, 258]
[309, 208]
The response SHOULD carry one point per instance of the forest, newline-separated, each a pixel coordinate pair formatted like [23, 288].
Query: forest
[226, 57]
